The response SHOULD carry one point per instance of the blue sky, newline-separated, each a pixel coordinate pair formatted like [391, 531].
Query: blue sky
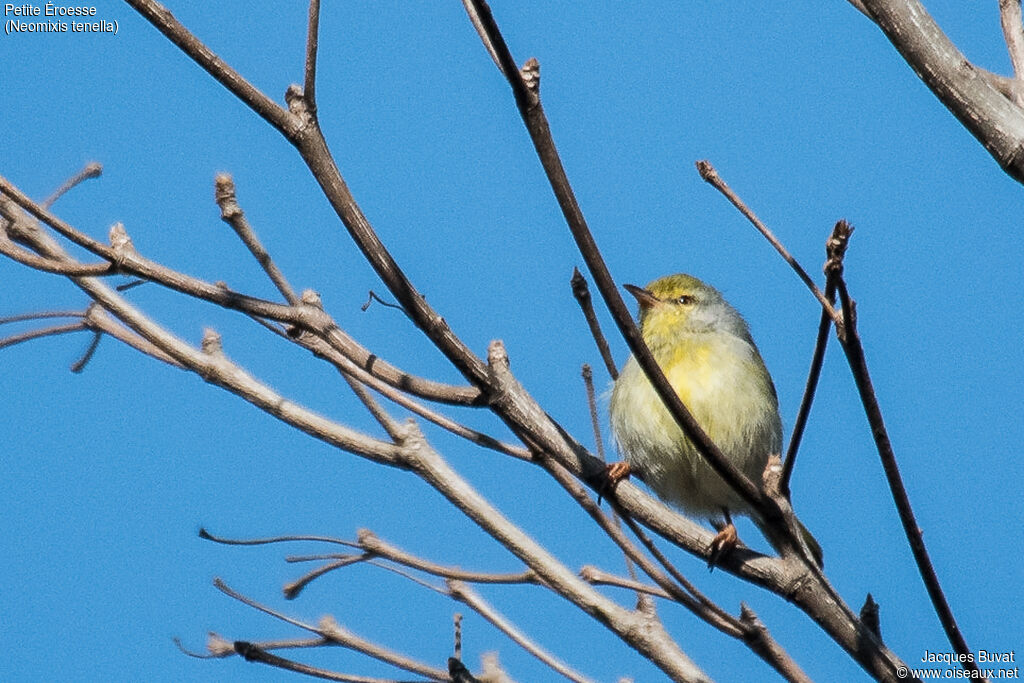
[804, 108]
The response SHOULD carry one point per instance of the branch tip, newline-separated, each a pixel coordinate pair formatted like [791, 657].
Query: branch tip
[869, 616]
[119, 239]
[212, 342]
[312, 298]
[218, 646]
[531, 75]
[706, 170]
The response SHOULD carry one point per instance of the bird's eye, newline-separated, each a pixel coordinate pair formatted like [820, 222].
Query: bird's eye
[686, 299]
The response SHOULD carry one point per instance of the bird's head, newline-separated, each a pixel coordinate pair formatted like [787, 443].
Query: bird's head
[681, 304]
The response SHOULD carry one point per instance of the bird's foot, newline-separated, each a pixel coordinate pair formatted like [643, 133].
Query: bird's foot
[613, 474]
[722, 544]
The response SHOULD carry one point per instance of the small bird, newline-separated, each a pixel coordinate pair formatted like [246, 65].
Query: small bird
[704, 348]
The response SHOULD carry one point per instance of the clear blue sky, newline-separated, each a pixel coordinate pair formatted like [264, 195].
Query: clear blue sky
[804, 108]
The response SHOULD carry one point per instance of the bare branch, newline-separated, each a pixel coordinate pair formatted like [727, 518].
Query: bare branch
[99, 320]
[40, 315]
[390, 424]
[292, 589]
[161, 18]
[298, 538]
[709, 174]
[595, 422]
[851, 344]
[372, 296]
[232, 214]
[312, 42]
[465, 594]
[647, 636]
[254, 653]
[996, 122]
[835, 249]
[599, 577]
[310, 317]
[40, 333]
[329, 629]
[92, 169]
[1013, 33]
[27, 258]
[581, 292]
[348, 367]
[80, 364]
[760, 641]
[371, 543]
[214, 367]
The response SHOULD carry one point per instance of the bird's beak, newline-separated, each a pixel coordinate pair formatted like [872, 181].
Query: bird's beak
[643, 297]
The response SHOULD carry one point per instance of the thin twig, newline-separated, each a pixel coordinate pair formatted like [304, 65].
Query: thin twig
[162, 19]
[40, 333]
[308, 317]
[712, 614]
[293, 538]
[690, 588]
[1013, 33]
[312, 42]
[93, 169]
[218, 647]
[595, 423]
[372, 296]
[390, 424]
[466, 595]
[94, 343]
[835, 248]
[254, 653]
[132, 284]
[710, 175]
[99, 320]
[22, 317]
[485, 35]
[27, 258]
[371, 543]
[581, 292]
[232, 214]
[292, 589]
[346, 367]
[328, 628]
[599, 577]
[850, 341]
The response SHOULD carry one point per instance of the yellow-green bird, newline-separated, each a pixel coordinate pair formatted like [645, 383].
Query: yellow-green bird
[704, 347]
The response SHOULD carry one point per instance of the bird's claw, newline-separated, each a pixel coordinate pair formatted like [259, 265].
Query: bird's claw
[613, 474]
[722, 544]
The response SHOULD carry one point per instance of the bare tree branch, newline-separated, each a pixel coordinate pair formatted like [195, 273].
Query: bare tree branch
[465, 594]
[51, 331]
[835, 248]
[710, 175]
[232, 214]
[333, 632]
[850, 341]
[309, 316]
[161, 18]
[312, 44]
[996, 122]
[90, 170]
[1013, 33]
[581, 292]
